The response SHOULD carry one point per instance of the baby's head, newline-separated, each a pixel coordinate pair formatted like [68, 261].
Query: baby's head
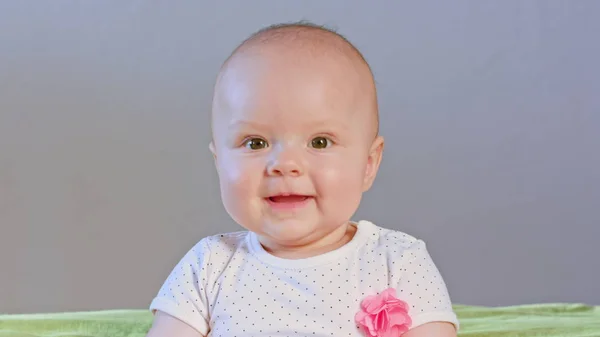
[295, 133]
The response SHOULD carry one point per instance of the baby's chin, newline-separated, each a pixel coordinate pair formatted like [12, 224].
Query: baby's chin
[292, 233]
[288, 232]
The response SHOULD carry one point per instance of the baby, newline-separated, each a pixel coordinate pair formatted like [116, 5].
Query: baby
[295, 144]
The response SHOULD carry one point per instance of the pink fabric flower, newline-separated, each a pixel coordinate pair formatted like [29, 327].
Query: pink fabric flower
[383, 315]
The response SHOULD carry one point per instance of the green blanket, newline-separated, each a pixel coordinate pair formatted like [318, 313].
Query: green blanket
[547, 320]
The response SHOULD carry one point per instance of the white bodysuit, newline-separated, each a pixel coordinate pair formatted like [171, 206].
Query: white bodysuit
[228, 285]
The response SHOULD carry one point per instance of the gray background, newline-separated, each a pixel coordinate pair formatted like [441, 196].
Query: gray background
[490, 109]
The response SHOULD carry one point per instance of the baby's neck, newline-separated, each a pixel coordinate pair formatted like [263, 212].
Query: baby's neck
[330, 242]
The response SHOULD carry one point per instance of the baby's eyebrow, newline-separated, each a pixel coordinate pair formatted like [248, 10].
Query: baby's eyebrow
[326, 123]
[329, 124]
[240, 123]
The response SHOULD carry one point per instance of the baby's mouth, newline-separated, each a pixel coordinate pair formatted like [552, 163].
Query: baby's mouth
[288, 198]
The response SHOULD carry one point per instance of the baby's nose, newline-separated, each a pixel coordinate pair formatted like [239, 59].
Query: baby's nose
[286, 164]
[287, 168]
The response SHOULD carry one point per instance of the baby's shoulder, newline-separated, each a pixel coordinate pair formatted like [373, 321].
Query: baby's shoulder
[219, 246]
[394, 243]
[226, 241]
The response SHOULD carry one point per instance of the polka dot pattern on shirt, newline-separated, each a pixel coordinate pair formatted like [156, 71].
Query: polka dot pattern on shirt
[229, 286]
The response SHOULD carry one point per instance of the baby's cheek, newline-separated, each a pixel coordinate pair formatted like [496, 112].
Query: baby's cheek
[236, 171]
[340, 183]
[341, 172]
[238, 185]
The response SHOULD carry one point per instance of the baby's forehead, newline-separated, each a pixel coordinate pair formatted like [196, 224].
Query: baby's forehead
[277, 118]
[282, 82]
[301, 108]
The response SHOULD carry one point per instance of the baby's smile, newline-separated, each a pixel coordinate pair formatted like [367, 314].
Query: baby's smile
[287, 202]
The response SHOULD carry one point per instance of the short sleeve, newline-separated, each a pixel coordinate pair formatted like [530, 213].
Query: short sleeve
[422, 287]
[183, 294]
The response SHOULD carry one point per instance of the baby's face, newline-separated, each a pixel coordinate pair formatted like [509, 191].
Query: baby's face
[293, 145]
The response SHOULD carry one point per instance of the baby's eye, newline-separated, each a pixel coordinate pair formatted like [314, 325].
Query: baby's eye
[320, 143]
[255, 143]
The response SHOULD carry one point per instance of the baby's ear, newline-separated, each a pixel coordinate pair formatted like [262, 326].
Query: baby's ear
[373, 162]
[211, 147]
